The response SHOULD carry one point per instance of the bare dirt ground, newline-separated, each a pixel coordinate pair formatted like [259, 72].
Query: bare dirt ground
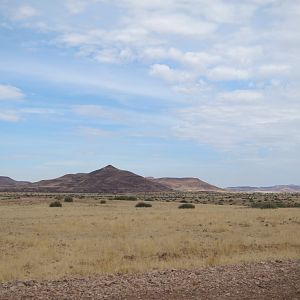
[264, 280]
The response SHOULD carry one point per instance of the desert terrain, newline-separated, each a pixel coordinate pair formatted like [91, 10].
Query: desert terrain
[99, 235]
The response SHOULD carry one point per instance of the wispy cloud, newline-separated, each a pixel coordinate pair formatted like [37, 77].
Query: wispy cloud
[9, 92]
[224, 74]
[9, 116]
[25, 12]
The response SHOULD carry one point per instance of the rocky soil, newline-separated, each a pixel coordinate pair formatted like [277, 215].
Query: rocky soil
[265, 280]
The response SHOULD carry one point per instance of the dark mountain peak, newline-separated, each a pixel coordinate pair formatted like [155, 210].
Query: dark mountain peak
[105, 170]
[110, 167]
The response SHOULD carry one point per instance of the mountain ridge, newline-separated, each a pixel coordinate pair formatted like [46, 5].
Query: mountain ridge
[280, 188]
[108, 179]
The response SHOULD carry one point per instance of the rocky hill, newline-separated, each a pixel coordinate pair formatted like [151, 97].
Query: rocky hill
[185, 184]
[6, 182]
[106, 180]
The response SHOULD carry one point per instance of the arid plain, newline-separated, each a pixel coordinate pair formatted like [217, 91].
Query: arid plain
[88, 237]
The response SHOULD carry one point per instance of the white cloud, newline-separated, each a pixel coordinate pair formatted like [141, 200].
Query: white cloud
[25, 12]
[193, 46]
[9, 92]
[114, 55]
[75, 6]
[227, 73]
[194, 60]
[94, 132]
[89, 110]
[200, 60]
[170, 75]
[178, 24]
[101, 113]
[78, 6]
[253, 119]
[241, 55]
[241, 95]
[160, 53]
[9, 116]
[193, 89]
[274, 69]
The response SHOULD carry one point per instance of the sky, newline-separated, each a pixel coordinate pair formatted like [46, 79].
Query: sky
[178, 88]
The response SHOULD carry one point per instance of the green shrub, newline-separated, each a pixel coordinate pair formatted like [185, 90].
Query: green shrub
[143, 204]
[186, 205]
[102, 201]
[55, 204]
[68, 199]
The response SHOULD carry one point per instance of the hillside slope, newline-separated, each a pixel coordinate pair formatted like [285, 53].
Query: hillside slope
[186, 184]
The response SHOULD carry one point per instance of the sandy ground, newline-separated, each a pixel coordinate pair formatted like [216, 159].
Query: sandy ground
[264, 280]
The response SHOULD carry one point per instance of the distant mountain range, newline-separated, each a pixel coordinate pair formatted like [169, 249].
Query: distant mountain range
[112, 180]
[270, 189]
[107, 180]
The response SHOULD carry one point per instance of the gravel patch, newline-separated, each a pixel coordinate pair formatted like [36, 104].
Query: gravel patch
[264, 280]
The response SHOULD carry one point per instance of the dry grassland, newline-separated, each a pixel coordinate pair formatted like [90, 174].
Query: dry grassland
[86, 237]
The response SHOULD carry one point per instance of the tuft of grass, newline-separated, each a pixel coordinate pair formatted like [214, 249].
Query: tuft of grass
[143, 204]
[55, 204]
[186, 205]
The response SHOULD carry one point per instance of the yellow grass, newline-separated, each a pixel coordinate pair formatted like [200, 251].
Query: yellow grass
[86, 238]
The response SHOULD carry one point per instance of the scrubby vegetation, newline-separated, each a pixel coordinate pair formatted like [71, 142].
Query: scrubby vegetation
[86, 239]
[55, 204]
[68, 199]
[128, 198]
[186, 205]
[264, 205]
[254, 200]
[143, 204]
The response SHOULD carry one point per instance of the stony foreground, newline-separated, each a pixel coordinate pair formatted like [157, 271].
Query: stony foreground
[268, 280]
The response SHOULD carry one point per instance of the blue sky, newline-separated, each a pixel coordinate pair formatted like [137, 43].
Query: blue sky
[162, 88]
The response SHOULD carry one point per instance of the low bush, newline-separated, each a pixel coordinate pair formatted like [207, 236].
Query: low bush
[68, 199]
[55, 204]
[102, 201]
[186, 205]
[143, 204]
[130, 198]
